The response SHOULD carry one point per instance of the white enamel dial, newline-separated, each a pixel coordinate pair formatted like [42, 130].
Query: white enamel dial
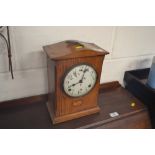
[79, 80]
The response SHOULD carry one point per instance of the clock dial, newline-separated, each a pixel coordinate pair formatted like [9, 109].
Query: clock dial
[79, 80]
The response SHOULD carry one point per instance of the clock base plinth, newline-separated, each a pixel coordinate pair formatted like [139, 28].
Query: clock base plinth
[67, 117]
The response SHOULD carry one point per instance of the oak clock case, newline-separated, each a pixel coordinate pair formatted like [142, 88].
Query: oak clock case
[73, 65]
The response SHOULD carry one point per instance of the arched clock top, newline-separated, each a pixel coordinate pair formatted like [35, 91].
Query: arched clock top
[73, 49]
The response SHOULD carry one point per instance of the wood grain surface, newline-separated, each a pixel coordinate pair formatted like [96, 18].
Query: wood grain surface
[32, 113]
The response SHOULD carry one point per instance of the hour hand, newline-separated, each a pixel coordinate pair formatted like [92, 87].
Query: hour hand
[73, 85]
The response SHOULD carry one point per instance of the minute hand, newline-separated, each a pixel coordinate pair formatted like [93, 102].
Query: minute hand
[83, 74]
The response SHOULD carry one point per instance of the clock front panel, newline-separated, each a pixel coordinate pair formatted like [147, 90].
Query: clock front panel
[77, 84]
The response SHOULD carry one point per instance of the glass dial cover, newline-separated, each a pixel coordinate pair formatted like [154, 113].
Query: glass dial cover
[79, 80]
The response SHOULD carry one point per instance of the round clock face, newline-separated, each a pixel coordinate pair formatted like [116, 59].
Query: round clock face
[79, 80]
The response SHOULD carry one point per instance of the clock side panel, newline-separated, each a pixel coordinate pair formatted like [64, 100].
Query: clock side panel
[70, 105]
[51, 86]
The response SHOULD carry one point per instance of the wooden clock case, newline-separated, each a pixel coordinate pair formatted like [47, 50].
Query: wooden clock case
[60, 58]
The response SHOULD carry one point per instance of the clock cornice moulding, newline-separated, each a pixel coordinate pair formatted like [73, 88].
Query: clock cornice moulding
[73, 49]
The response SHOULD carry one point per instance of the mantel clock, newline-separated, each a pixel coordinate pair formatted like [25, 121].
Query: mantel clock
[74, 70]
